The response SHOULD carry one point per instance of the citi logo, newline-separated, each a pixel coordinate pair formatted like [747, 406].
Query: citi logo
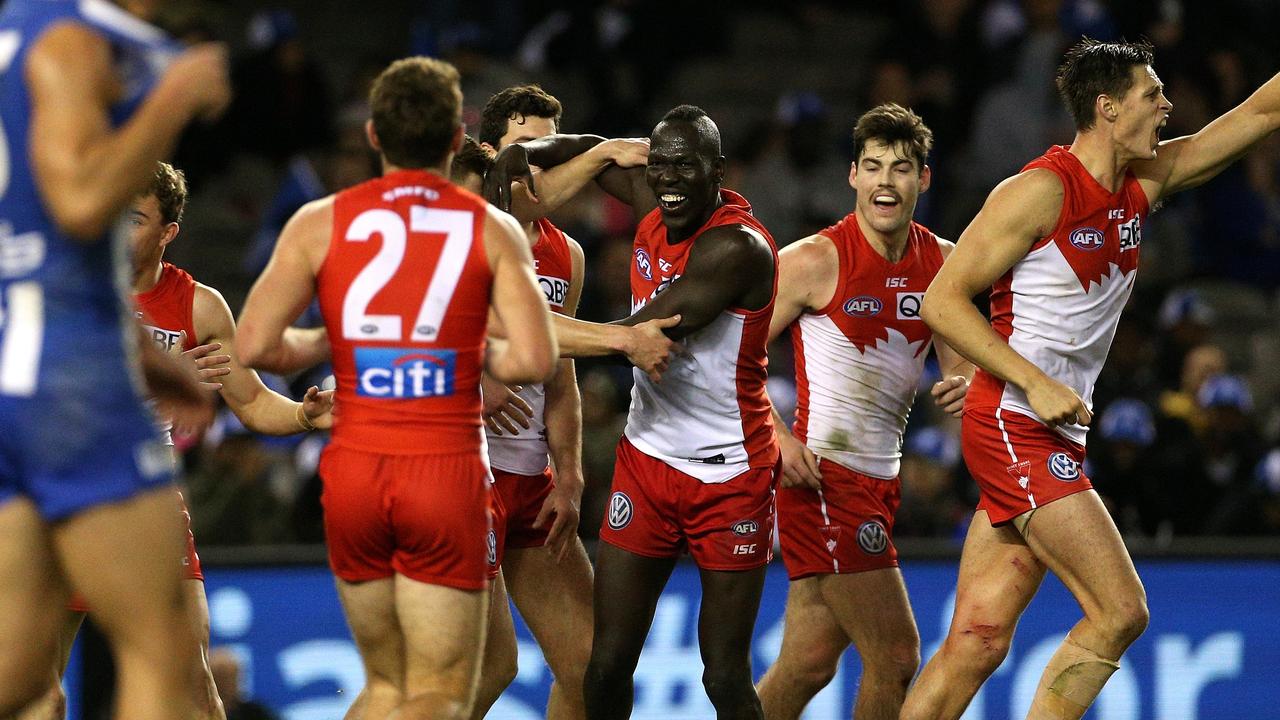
[404, 372]
[863, 306]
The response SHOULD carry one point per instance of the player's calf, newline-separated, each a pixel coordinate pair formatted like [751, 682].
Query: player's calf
[731, 693]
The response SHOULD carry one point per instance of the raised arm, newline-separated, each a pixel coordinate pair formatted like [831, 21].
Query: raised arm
[86, 171]
[568, 163]
[1185, 162]
[1018, 212]
[260, 408]
[283, 291]
[529, 351]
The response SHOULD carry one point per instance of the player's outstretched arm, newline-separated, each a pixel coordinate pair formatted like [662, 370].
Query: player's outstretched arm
[282, 292]
[529, 351]
[1185, 162]
[561, 177]
[722, 266]
[1018, 212]
[807, 277]
[86, 171]
[260, 408]
[175, 385]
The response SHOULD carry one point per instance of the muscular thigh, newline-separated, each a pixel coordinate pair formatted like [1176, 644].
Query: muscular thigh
[33, 596]
[444, 630]
[999, 574]
[554, 598]
[871, 608]
[812, 631]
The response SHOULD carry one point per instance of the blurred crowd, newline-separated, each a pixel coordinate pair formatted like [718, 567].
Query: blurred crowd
[1186, 436]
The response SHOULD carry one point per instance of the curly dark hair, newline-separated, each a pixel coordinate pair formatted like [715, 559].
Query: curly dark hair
[516, 103]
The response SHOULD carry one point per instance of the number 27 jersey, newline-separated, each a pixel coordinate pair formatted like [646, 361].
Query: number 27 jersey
[404, 291]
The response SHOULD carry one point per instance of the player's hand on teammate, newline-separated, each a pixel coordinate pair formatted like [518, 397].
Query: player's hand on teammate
[625, 152]
[503, 408]
[200, 80]
[511, 165]
[799, 464]
[651, 349]
[562, 509]
[208, 367]
[1057, 404]
[317, 405]
[949, 394]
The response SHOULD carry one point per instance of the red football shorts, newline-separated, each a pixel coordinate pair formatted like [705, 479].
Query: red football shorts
[1018, 462]
[657, 511]
[522, 498]
[425, 517]
[847, 527]
[191, 569]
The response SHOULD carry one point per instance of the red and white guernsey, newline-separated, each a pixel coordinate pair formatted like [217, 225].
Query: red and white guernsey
[165, 312]
[859, 359]
[526, 452]
[709, 417]
[1059, 305]
[404, 291]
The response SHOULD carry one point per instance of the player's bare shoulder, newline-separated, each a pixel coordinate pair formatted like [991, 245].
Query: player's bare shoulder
[210, 314]
[812, 255]
[945, 247]
[736, 242]
[1029, 202]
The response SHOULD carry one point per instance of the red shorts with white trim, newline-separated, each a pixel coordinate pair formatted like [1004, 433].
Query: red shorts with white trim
[522, 497]
[847, 527]
[657, 511]
[1018, 462]
[191, 569]
[425, 517]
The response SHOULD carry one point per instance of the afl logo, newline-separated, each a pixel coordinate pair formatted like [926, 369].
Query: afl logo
[872, 538]
[643, 264]
[743, 528]
[1063, 467]
[863, 306]
[619, 511]
[1087, 238]
[492, 542]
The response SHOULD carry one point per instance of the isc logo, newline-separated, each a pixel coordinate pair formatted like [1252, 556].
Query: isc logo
[404, 372]
[749, 549]
[556, 289]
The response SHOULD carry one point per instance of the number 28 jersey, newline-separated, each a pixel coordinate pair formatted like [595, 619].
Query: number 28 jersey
[404, 291]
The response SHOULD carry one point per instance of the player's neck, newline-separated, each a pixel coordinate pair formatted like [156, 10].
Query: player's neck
[532, 233]
[890, 246]
[146, 280]
[388, 168]
[1101, 157]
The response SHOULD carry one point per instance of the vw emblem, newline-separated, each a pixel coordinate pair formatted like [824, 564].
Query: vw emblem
[872, 538]
[492, 542]
[1063, 467]
[619, 511]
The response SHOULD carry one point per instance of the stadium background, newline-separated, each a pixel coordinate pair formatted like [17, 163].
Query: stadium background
[1186, 447]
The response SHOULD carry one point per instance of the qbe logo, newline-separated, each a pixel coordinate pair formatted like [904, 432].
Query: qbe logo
[1063, 467]
[643, 264]
[404, 372]
[872, 538]
[863, 306]
[556, 289]
[909, 305]
[1087, 238]
[620, 511]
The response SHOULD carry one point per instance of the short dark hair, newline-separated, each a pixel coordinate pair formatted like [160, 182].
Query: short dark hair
[416, 106]
[515, 102]
[471, 159]
[169, 186]
[696, 116]
[891, 123]
[1092, 68]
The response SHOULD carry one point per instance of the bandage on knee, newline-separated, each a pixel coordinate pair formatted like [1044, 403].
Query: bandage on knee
[1072, 679]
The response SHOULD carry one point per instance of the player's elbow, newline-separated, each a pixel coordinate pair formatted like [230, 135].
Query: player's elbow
[932, 307]
[252, 350]
[527, 362]
[80, 220]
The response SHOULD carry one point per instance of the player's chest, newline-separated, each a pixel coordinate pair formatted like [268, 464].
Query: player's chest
[653, 269]
[874, 298]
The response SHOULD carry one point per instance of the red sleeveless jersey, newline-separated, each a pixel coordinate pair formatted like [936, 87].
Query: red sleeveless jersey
[165, 310]
[710, 416]
[859, 359]
[525, 453]
[1059, 305]
[404, 291]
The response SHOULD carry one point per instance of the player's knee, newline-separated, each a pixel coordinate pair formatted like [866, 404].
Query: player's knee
[498, 676]
[812, 668]
[604, 673]
[982, 645]
[895, 664]
[1125, 622]
[727, 686]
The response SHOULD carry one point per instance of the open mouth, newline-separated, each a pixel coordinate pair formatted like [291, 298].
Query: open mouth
[887, 201]
[671, 201]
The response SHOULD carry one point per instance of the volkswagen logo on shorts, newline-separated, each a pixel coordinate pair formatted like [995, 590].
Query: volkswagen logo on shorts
[643, 264]
[619, 511]
[872, 538]
[863, 306]
[1087, 238]
[1063, 467]
[492, 542]
[743, 528]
